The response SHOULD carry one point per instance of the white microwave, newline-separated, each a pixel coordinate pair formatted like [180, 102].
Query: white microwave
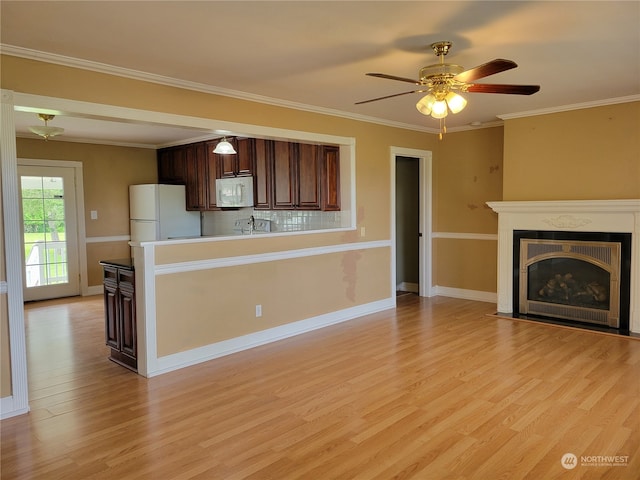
[234, 192]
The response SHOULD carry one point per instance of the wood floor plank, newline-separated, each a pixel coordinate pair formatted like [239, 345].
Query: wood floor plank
[438, 388]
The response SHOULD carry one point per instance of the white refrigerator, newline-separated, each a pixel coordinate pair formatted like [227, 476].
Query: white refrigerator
[159, 212]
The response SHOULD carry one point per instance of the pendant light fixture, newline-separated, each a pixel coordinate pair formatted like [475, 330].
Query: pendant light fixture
[224, 147]
[46, 131]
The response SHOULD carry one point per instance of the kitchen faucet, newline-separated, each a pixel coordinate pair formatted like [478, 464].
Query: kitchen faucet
[252, 224]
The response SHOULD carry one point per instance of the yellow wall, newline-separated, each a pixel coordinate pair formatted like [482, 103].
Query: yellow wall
[107, 173]
[588, 154]
[467, 174]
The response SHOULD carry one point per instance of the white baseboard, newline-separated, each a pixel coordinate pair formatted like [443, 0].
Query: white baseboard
[209, 352]
[94, 290]
[489, 297]
[8, 409]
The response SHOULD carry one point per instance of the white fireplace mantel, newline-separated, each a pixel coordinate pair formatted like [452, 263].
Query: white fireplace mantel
[620, 216]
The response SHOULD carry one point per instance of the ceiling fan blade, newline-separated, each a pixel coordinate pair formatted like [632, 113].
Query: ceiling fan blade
[509, 89]
[393, 77]
[490, 68]
[389, 96]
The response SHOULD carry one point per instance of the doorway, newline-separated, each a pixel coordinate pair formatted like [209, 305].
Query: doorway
[49, 232]
[407, 224]
[411, 188]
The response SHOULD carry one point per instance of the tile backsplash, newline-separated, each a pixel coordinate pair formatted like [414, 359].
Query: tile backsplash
[223, 222]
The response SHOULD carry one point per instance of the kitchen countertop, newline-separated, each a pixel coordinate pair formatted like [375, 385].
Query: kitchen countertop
[126, 263]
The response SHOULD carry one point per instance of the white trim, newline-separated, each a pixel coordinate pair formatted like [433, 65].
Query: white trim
[13, 257]
[113, 238]
[209, 352]
[8, 408]
[466, 236]
[94, 290]
[573, 206]
[477, 295]
[79, 201]
[425, 160]
[147, 358]
[171, 268]
[575, 106]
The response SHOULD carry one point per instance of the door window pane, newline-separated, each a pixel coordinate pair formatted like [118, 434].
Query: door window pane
[44, 230]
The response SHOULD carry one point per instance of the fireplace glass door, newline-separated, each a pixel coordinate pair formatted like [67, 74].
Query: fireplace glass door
[571, 280]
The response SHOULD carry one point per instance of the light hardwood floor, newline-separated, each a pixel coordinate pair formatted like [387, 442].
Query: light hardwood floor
[435, 389]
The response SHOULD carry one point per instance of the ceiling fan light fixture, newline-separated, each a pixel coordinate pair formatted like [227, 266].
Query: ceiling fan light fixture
[224, 147]
[45, 131]
[455, 102]
[439, 109]
[425, 104]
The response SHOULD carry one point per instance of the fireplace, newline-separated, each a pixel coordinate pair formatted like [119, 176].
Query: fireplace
[579, 277]
[571, 238]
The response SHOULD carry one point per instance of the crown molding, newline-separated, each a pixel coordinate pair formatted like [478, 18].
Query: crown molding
[198, 87]
[575, 106]
[63, 60]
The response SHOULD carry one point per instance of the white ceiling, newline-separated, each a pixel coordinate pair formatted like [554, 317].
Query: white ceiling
[315, 54]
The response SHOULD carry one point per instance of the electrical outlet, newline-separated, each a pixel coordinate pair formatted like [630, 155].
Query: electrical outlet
[362, 231]
[258, 311]
[94, 214]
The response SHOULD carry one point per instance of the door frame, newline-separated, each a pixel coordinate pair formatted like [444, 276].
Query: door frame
[426, 205]
[78, 191]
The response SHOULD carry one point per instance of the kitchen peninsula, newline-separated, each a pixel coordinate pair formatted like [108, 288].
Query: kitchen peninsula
[202, 298]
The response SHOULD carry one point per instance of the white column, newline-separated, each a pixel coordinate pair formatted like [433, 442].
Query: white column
[505, 263]
[13, 259]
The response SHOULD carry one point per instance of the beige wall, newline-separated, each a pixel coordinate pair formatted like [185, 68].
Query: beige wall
[583, 154]
[218, 304]
[107, 173]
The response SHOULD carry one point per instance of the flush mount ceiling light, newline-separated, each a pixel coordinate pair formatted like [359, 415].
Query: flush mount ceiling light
[46, 131]
[442, 81]
[224, 147]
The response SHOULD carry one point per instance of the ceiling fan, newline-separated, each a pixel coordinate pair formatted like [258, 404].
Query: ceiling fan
[442, 80]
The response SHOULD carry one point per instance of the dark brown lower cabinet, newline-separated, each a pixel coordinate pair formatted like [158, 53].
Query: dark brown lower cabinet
[120, 314]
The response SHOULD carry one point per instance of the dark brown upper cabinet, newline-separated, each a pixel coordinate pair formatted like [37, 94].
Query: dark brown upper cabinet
[263, 178]
[241, 164]
[172, 167]
[286, 175]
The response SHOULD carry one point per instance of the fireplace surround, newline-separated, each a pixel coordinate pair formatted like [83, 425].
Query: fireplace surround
[565, 220]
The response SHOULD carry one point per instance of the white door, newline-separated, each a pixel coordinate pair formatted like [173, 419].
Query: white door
[49, 232]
